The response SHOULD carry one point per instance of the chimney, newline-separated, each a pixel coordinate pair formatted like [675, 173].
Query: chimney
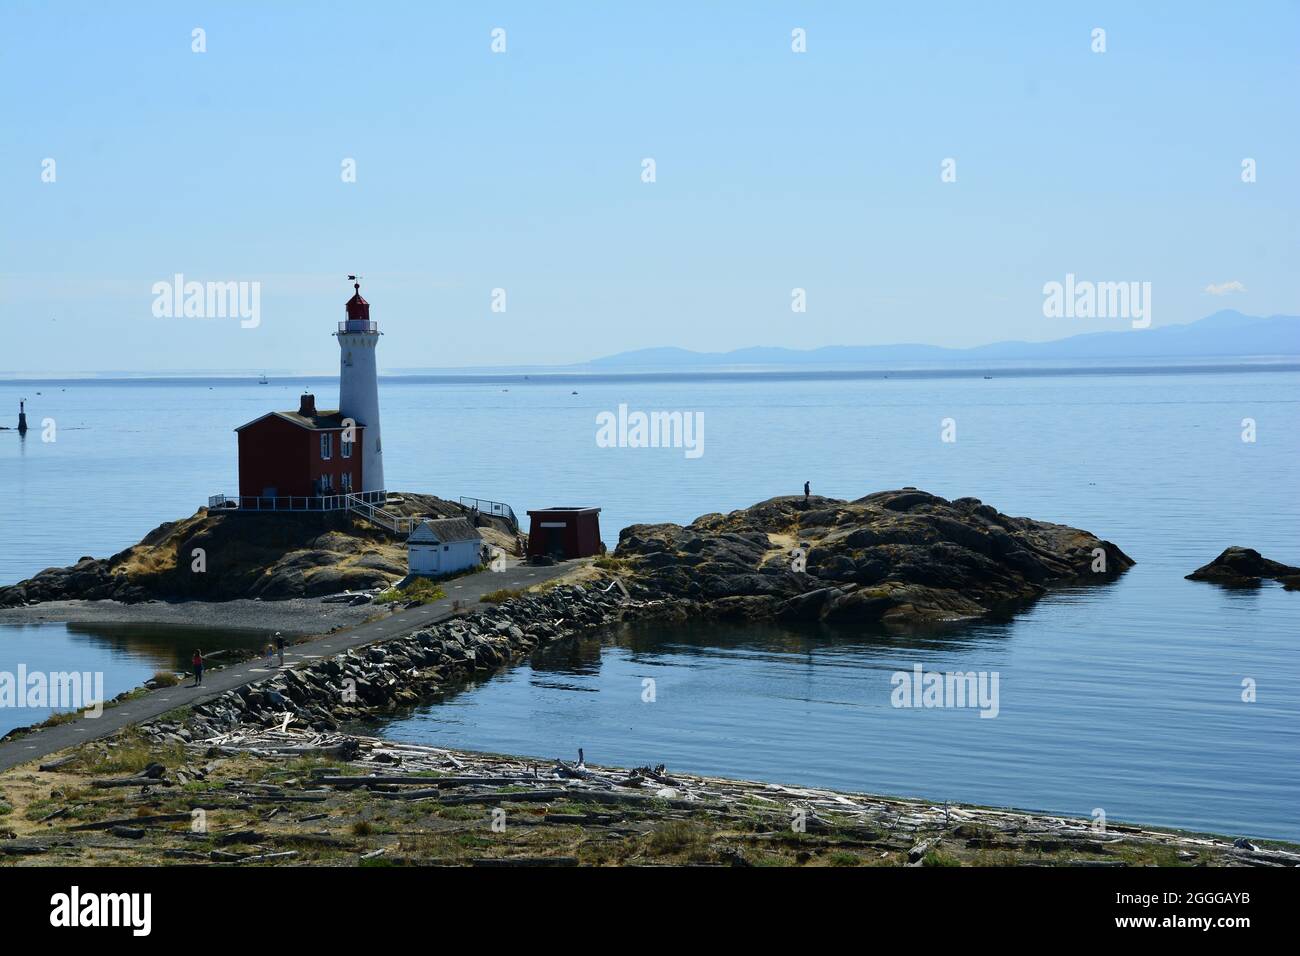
[307, 405]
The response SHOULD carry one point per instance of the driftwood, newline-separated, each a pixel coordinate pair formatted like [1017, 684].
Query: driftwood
[263, 857]
[287, 797]
[891, 826]
[523, 796]
[129, 782]
[151, 774]
[22, 849]
[59, 812]
[347, 783]
[137, 821]
[526, 861]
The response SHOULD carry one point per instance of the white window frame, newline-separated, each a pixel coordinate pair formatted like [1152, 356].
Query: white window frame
[326, 446]
[326, 483]
[345, 481]
[345, 447]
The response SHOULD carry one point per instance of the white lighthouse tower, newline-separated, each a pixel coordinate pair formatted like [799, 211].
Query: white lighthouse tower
[359, 385]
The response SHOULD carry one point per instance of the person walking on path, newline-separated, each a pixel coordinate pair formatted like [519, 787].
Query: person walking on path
[198, 667]
[279, 646]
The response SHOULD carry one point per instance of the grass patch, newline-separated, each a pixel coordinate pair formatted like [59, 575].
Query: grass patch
[164, 679]
[674, 836]
[501, 595]
[939, 858]
[132, 756]
[421, 589]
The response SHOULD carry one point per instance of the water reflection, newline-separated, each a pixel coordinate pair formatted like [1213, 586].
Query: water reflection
[126, 654]
[166, 645]
[1104, 700]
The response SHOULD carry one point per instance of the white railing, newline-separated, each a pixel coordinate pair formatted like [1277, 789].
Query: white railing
[385, 519]
[345, 502]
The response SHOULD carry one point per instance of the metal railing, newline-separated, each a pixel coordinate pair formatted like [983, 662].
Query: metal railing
[397, 524]
[497, 509]
[344, 502]
[358, 326]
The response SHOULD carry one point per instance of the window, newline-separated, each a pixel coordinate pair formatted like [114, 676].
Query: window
[346, 481]
[326, 482]
[446, 547]
[326, 446]
[345, 447]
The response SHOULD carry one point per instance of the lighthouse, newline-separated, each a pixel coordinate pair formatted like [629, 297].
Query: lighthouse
[359, 385]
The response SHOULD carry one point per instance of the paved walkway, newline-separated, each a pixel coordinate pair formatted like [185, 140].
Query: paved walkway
[467, 590]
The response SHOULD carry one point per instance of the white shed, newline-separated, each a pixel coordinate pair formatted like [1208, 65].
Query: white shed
[443, 546]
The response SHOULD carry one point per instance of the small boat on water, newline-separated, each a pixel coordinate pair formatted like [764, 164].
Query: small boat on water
[263, 380]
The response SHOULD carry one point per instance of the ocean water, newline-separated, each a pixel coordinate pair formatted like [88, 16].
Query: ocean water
[117, 657]
[1125, 697]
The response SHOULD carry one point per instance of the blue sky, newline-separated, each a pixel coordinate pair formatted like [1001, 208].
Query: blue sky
[522, 171]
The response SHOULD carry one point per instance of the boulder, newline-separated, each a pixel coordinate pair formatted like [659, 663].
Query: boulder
[1246, 567]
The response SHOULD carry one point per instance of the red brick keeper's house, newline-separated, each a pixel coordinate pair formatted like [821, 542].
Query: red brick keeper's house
[299, 454]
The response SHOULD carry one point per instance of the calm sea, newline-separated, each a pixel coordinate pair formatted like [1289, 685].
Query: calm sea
[1126, 698]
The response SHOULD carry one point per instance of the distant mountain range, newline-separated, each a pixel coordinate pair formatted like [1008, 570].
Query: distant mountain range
[1226, 334]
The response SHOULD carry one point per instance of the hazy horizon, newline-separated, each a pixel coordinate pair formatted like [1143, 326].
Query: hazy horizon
[609, 365]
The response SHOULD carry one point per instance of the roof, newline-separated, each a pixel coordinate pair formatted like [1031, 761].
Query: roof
[324, 420]
[569, 510]
[358, 309]
[444, 531]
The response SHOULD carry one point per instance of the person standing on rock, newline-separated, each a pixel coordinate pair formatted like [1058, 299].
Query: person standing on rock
[279, 646]
[807, 490]
[198, 667]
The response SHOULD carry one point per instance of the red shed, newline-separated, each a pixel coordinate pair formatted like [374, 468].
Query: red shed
[299, 454]
[562, 533]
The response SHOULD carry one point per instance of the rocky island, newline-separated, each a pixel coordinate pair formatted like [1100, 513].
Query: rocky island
[267, 556]
[1246, 568]
[897, 559]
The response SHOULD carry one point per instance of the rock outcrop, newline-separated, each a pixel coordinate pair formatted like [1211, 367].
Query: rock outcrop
[897, 559]
[244, 555]
[1246, 568]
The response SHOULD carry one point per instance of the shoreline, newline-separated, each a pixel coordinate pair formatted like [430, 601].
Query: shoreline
[267, 797]
[299, 617]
